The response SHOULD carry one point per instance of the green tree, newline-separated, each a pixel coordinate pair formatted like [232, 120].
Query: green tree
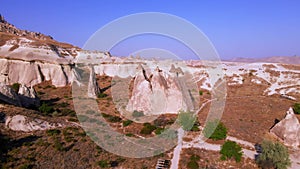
[296, 108]
[186, 120]
[231, 149]
[274, 155]
[215, 130]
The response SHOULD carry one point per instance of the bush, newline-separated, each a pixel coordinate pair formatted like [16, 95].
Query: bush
[46, 109]
[296, 108]
[231, 149]
[200, 93]
[215, 130]
[186, 120]
[274, 155]
[159, 130]
[53, 132]
[16, 87]
[137, 113]
[148, 128]
[102, 95]
[110, 118]
[127, 123]
[103, 164]
[193, 163]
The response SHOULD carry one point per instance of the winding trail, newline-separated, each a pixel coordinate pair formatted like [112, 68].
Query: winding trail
[198, 142]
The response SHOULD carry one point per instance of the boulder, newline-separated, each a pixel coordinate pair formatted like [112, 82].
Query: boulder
[288, 129]
[8, 95]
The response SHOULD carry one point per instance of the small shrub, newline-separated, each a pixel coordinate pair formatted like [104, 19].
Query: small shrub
[63, 104]
[112, 119]
[215, 130]
[231, 149]
[195, 158]
[102, 95]
[193, 165]
[127, 123]
[196, 126]
[53, 132]
[158, 131]
[129, 134]
[296, 108]
[103, 164]
[200, 93]
[137, 114]
[186, 120]
[16, 87]
[274, 155]
[58, 146]
[46, 109]
[40, 93]
[148, 129]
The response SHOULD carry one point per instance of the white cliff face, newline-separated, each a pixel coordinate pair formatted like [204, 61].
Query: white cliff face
[288, 129]
[23, 123]
[32, 73]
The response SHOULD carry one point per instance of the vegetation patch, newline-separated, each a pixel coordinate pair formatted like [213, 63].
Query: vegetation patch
[127, 123]
[46, 109]
[215, 130]
[274, 155]
[231, 149]
[186, 120]
[296, 108]
[147, 129]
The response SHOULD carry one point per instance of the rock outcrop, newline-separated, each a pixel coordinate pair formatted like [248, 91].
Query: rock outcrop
[28, 97]
[93, 88]
[23, 123]
[288, 129]
[8, 95]
[156, 93]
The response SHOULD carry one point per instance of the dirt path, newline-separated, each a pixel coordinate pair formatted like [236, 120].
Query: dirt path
[199, 143]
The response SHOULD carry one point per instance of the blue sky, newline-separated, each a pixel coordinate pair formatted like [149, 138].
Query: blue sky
[257, 28]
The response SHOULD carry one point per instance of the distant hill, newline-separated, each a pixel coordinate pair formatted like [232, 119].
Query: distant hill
[273, 59]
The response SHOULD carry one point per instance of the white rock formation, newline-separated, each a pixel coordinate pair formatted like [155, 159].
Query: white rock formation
[23, 123]
[156, 94]
[8, 95]
[28, 96]
[93, 88]
[288, 129]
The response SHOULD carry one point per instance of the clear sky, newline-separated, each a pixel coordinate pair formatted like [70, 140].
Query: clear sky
[237, 28]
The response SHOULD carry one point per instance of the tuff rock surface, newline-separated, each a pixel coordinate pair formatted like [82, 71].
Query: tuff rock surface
[156, 92]
[288, 129]
[23, 123]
